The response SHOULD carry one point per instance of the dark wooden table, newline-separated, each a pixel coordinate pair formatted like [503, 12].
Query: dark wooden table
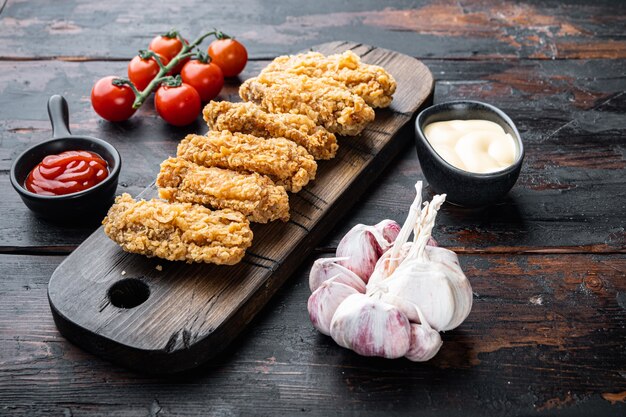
[548, 265]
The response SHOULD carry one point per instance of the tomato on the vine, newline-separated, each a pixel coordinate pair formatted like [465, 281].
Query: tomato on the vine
[178, 105]
[142, 71]
[169, 47]
[230, 55]
[112, 102]
[206, 77]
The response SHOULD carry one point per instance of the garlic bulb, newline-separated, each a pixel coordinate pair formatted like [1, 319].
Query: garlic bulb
[363, 245]
[387, 296]
[371, 327]
[428, 277]
[325, 268]
[325, 300]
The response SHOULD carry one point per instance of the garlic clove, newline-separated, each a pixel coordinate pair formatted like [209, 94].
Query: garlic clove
[371, 327]
[325, 300]
[362, 246]
[426, 286]
[389, 230]
[448, 262]
[425, 343]
[325, 268]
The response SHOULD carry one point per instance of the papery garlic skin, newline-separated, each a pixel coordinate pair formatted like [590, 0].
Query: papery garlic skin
[440, 289]
[325, 268]
[324, 301]
[462, 289]
[361, 246]
[389, 229]
[427, 287]
[425, 343]
[371, 327]
[382, 269]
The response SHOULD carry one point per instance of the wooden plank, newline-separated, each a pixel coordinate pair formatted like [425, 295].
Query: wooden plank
[545, 337]
[472, 29]
[180, 315]
[561, 117]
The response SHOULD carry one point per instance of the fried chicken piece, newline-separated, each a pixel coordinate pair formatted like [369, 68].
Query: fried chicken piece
[178, 231]
[251, 119]
[371, 82]
[252, 194]
[285, 162]
[325, 101]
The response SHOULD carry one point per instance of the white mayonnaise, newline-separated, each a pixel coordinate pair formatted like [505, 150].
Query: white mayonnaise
[478, 146]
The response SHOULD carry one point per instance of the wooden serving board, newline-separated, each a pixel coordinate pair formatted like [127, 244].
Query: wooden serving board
[157, 316]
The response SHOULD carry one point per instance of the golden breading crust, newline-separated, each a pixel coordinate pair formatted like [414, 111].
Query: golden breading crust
[285, 162]
[254, 195]
[178, 231]
[325, 101]
[375, 85]
[251, 119]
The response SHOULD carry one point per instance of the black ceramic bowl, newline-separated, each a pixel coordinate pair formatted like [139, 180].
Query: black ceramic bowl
[465, 188]
[80, 206]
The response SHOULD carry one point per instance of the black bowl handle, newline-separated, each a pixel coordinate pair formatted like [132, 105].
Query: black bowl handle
[59, 116]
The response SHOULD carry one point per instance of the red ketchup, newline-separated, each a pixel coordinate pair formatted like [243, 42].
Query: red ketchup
[66, 173]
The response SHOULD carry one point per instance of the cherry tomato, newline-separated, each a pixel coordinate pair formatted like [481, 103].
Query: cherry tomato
[169, 48]
[111, 102]
[178, 106]
[142, 71]
[230, 55]
[206, 77]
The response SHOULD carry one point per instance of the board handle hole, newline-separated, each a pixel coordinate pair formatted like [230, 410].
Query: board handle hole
[128, 293]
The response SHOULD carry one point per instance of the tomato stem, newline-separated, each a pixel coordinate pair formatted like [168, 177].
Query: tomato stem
[161, 77]
[172, 33]
[203, 57]
[123, 81]
[221, 35]
[171, 81]
[146, 54]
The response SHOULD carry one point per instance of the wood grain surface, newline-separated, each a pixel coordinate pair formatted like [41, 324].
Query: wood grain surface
[471, 29]
[545, 336]
[547, 264]
[162, 317]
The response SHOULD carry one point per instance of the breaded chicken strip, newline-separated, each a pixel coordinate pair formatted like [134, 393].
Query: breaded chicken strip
[285, 162]
[178, 231]
[252, 194]
[325, 101]
[371, 82]
[250, 118]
